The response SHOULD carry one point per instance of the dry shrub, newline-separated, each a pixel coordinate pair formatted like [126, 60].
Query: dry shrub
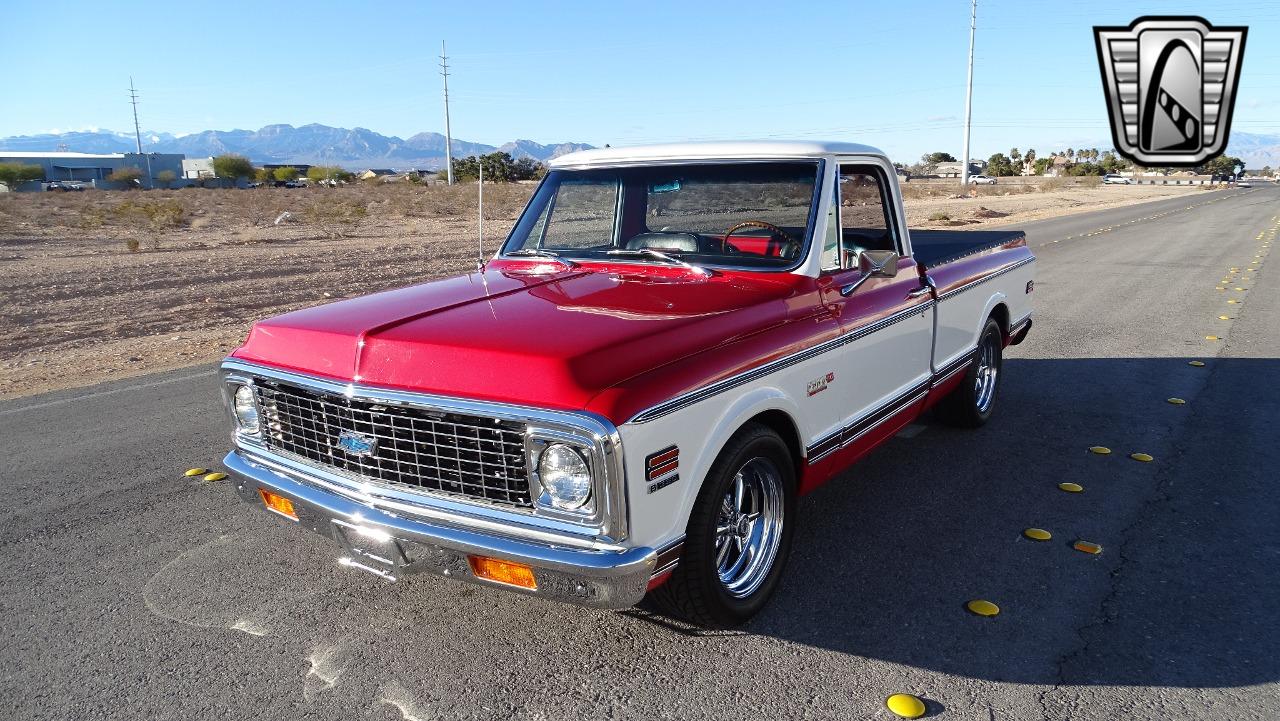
[154, 216]
[939, 217]
[336, 218]
[1049, 184]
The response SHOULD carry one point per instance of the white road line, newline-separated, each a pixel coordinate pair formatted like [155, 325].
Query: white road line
[113, 391]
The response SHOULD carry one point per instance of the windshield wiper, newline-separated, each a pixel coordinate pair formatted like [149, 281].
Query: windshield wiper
[540, 253]
[659, 255]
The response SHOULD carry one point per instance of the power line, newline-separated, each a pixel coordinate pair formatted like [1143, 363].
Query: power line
[448, 133]
[137, 129]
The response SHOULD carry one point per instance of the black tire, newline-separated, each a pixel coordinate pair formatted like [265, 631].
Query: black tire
[968, 406]
[695, 591]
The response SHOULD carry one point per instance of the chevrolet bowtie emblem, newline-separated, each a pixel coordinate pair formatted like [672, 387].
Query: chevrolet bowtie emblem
[1170, 84]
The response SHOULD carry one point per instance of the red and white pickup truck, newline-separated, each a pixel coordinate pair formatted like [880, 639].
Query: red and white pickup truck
[673, 344]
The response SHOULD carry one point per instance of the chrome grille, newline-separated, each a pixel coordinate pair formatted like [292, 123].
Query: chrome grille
[413, 448]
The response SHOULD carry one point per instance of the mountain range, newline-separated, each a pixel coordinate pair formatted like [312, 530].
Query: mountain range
[358, 148]
[315, 144]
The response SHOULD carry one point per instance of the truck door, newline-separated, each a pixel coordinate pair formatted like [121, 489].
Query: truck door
[882, 371]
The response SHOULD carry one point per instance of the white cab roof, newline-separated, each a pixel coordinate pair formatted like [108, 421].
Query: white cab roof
[752, 149]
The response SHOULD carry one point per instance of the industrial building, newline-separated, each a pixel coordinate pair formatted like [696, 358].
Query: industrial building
[94, 168]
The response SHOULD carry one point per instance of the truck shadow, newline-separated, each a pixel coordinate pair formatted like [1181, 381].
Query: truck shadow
[1183, 593]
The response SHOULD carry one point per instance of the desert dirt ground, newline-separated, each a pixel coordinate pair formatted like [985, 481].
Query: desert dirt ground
[104, 285]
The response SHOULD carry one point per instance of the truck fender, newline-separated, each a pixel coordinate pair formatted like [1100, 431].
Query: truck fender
[997, 298]
[727, 422]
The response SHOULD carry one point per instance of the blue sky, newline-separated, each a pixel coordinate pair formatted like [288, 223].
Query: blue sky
[890, 74]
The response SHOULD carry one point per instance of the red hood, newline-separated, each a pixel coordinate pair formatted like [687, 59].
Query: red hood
[507, 335]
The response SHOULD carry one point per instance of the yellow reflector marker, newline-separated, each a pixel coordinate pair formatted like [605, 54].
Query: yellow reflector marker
[1100, 450]
[1037, 534]
[215, 476]
[495, 569]
[1233, 301]
[1087, 547]
[1177, 401]
[195, 472]
[1211, 337]
[982, 608]
[1220, 288]
[1197, 364]
[1240, 289]
[905, 705]
[1144, 457]
[1224, 317]
[1071, 487]
[278, 503]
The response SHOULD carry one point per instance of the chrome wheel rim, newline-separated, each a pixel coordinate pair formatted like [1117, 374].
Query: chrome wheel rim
[988, 369]
[749, 527]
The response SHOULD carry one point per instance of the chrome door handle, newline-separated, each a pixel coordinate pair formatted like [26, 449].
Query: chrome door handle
[922, 290]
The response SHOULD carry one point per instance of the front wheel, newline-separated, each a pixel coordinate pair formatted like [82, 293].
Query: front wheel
[739, 534]
[971, 404]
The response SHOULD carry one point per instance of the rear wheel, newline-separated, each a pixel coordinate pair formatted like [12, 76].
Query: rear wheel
[972, 402]
[739, 534]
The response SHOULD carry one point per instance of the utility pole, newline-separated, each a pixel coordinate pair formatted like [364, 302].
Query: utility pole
[448, 133]
[137, 129]
[968, 99]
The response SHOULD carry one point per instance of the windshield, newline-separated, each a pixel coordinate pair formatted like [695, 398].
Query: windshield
[755, 215]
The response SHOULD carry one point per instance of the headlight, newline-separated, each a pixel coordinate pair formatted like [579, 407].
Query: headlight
[565, 476]
[246, 409]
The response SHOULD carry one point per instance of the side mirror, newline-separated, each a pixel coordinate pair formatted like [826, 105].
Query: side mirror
[873, 264]
[878, 263]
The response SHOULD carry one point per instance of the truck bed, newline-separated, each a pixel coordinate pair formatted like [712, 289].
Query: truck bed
[936, 247]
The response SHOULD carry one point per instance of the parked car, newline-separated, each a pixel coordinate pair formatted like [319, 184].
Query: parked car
[1113, 179]
[1244, 183]
[64, 186]
[982, 180]
[630, 396]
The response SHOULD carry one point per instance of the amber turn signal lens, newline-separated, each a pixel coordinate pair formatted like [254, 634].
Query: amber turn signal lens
[278, 503]
[494, 569]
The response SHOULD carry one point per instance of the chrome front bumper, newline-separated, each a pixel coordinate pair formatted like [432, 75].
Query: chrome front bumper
[392, 545]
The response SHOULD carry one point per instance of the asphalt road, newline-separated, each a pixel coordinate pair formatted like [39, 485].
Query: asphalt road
[130, 591]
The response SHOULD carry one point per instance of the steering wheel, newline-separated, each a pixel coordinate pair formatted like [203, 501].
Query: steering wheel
[773, 229]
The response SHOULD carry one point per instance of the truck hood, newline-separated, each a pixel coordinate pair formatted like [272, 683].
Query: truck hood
[514, 335]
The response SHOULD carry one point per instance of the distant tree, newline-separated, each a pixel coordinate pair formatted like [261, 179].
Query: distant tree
[527, 169]
[498, 168]
[14, 174]
[1015, 156]
[262, 175]
[129, 176]
[999, 165]
[167, 177]
[1071, 154]
[1266, 171]
[328, 174]
[939, 157]
[1084, 168]
[285, 174]
[1041, 165]
[1222, 165]
[232, 167]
